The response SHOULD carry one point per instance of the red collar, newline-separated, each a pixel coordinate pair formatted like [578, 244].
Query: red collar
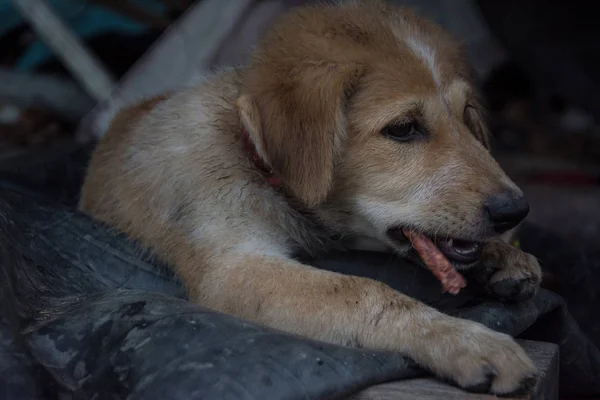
[273, 180]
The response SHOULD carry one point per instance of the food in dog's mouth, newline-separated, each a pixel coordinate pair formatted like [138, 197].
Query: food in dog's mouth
[452, 281]
[436, 254]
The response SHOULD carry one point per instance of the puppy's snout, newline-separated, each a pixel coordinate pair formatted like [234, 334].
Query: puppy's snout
[507, 210]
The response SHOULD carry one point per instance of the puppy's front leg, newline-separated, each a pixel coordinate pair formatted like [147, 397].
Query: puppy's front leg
[341, 309]
[509, 274]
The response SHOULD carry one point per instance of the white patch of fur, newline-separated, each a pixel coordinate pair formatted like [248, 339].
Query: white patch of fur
[380, 213]
[427, 54]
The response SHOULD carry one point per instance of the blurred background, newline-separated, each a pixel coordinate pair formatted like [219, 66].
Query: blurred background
[64, 64]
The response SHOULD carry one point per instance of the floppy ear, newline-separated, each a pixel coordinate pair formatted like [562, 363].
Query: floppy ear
[475, 119]
[298, 122]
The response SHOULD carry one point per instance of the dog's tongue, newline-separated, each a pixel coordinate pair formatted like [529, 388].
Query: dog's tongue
[452, 281]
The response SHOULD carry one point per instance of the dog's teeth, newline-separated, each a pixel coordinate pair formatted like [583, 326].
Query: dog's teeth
[467, 248]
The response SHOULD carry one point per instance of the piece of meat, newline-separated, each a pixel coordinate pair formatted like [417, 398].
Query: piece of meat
[452, 281]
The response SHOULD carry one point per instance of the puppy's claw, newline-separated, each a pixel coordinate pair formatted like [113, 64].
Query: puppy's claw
[485, 386]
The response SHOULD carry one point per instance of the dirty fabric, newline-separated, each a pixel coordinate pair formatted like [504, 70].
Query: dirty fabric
[86, 313]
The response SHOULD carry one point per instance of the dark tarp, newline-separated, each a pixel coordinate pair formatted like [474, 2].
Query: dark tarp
[87, 313]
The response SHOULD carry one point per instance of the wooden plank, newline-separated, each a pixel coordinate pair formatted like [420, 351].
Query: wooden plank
[69, 49]
[181, 56]
[183, 53]
[544, 355]
[61, 96]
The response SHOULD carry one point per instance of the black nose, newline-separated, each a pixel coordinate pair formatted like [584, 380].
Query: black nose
[507, 210]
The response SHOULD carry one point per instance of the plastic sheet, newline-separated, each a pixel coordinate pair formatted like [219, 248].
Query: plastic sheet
[88, 313]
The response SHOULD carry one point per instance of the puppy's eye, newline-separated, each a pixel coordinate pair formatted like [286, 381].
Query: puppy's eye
[403, 131]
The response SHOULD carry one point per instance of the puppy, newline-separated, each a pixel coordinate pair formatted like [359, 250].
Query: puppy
[357, 119]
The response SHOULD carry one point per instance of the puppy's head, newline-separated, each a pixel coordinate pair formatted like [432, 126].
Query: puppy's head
[369, 116]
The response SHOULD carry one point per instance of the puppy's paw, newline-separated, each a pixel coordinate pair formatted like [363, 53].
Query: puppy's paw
[482, 360]
[517, 275]
[508, 288]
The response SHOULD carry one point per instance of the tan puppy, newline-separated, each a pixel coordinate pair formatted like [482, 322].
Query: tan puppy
[364, 121]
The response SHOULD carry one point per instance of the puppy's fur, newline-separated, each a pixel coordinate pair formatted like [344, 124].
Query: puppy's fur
[173, 173]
